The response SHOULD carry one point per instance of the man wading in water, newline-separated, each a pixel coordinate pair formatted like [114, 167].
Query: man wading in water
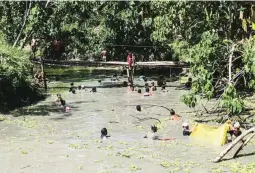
[104, 54]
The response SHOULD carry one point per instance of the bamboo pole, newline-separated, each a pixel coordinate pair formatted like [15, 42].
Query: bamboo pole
[239, 138]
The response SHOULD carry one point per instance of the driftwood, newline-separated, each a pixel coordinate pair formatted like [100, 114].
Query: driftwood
[237, 140]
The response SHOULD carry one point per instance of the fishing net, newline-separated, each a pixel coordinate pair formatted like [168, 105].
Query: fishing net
[215, 135]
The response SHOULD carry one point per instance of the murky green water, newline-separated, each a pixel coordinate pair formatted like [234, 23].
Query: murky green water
[53, 141]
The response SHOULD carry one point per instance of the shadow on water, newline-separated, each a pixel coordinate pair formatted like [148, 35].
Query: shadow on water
[239, 156]
[41, 110]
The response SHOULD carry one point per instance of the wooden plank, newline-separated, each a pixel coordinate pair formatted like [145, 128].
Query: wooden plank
[113, 63]
[235, 150]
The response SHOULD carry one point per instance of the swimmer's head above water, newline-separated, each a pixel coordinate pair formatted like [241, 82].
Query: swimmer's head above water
[103, 133]
[154, 129]
[138, 108]
[172, 112]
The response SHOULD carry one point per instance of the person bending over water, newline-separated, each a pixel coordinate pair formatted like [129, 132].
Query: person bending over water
[104, 135]
[153, 87]
[146, 85]
[164, 88]
[174, 116]
[71, 89]
[186, 130]
[189, 83]
[147, 92]
[58, 98]
[235, 131]
[152, 135]
[94, 89]
[130, 87]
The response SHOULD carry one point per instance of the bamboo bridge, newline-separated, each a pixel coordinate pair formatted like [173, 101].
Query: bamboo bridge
[124, 65]
[169, 64]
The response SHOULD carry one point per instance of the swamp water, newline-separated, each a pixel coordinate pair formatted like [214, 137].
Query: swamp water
[52, 141]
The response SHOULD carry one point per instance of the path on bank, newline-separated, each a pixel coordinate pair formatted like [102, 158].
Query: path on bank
[56, 142]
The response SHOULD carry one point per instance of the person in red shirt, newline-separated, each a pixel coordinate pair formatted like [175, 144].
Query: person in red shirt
[130, 60]
[57, 47]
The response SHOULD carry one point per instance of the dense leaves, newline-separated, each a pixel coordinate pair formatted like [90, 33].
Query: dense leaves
[216, 38]
[15, 78]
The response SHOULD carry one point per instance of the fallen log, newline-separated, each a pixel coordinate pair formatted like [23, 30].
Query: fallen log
[237, 140]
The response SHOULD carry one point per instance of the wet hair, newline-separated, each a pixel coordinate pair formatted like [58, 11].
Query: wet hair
[94, 89]
[152, 83]
[73, 91]
[99, 81]
[138, 108]
[103, 132]
[190, 79]
[58, 95]
[125, 84]
[139, 91]
[172, 112]
[71, 83]
[79, 87]
[63, 102]
[147, 89]
[154, 129]
[146, 84]
[145, 79]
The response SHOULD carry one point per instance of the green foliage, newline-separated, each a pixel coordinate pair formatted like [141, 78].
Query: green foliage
[190, 100]
[15, 78]
[231, 101]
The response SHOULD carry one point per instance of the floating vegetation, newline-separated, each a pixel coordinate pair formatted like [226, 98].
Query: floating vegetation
[140, 157]
[78, 146]
[28, 123]
[134, 168]
[23, 152]
[124, 154]
[2, 118]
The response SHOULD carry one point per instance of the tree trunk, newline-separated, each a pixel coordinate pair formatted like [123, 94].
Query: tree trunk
[44, 75]
[24, 24]
[222, 154]
[230, 63]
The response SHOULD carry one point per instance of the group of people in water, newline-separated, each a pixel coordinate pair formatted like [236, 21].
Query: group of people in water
[234, 130]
